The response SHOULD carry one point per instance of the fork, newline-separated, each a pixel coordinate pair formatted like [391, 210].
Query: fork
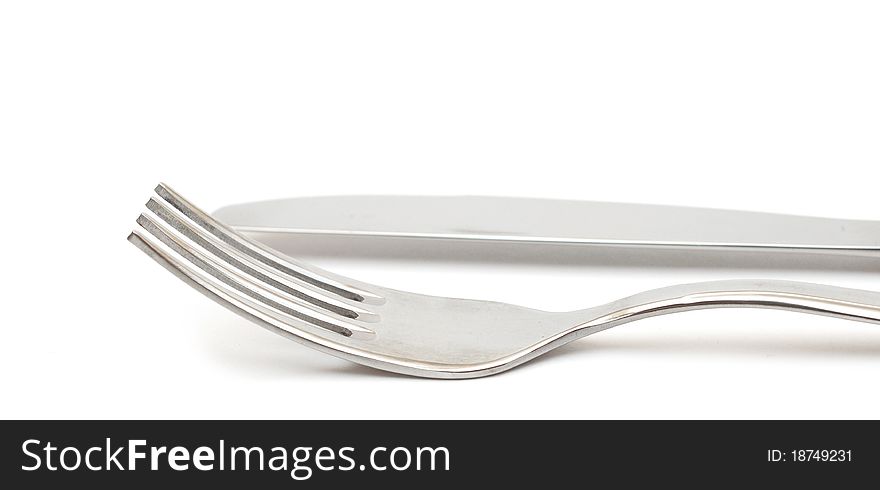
[416, 334]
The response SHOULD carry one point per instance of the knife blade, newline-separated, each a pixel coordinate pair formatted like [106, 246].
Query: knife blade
[528, 220]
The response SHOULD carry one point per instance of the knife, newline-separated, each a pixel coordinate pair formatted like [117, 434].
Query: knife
[527, 220]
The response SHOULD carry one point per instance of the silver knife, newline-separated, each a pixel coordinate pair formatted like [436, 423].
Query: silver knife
[554, 221]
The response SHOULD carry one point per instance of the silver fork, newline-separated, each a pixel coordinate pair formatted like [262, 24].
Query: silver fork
[416, 334]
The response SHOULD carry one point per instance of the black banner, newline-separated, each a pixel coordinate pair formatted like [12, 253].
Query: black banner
[395, 454]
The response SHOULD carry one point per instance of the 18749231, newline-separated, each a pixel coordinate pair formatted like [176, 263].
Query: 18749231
[809, 455]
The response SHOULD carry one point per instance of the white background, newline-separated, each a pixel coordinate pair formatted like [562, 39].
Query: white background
[765, 105]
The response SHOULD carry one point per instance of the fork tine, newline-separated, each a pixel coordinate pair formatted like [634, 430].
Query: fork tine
[194, 263]
[260, 254]
[257, 272]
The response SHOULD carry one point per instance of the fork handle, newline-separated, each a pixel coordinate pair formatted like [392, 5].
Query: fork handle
[818, 299]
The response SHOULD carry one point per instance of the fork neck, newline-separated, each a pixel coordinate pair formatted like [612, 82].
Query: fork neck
[817, 299]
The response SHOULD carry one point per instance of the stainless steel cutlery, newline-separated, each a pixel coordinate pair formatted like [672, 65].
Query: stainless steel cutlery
[439, 337]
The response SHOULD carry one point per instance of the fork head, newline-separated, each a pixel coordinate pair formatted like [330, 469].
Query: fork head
[379, 327]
